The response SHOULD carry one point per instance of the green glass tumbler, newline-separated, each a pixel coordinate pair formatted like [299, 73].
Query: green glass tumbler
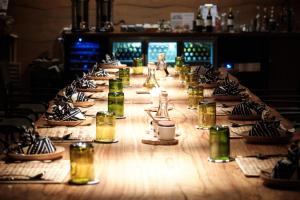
[219, 144]
[124, 74]
[116, 103]
[116, 85]
[82, 163]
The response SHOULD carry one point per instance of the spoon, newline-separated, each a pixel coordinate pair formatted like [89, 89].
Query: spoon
[240, 125]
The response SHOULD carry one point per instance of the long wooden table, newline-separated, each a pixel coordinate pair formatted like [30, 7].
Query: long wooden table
[130, 169]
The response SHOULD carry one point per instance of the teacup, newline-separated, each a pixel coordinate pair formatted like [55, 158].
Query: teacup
[166, 130]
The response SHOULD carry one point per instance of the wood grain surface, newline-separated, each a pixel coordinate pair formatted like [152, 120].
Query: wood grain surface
[130, 169]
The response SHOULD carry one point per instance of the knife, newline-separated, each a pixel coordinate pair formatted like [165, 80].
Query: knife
[261, 156]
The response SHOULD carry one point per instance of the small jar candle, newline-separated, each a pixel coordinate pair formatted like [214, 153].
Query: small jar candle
[105, 127]
[82, 163]
[178, 65]
[195, 96]
[206, 114]
[138, 66]
[124, 74]
[219, 144]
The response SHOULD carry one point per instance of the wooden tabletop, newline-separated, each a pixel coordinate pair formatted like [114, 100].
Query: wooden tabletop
[130, 169]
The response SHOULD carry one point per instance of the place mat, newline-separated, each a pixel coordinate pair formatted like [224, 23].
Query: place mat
[59, 134]
[237, 132]
[223, 111]
[251, 167]
[55, 172]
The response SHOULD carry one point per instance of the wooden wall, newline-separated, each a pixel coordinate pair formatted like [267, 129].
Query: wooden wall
[39, 22]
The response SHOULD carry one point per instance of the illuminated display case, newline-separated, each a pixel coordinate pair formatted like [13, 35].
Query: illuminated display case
[198, 52]
[169, 48]
[125, 52]
[83, 54]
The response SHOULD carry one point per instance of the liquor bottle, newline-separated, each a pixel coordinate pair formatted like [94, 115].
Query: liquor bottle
[272, 20]
[230, 21]
[257, 20]
[199, 22]
[265, 20]
[209, 25]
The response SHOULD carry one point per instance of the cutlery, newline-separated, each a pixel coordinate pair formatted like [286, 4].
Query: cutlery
[261, 156]
[20, 177]
[235, 125]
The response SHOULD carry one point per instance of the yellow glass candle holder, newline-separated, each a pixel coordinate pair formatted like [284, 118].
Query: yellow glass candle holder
[82, 163]
[105, 127]
[206, 114]
[195, 96]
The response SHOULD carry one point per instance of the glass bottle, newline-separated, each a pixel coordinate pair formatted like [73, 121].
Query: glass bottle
[219, 144]
[265, 20]
[116, 97]
[162, 71]
[151, 81]
[272, 20]
[209, 23]
[230, 21]
[163, 105]
[138, 66]
[80, 15]
[82, 163]
[105, 126]
[199, 22]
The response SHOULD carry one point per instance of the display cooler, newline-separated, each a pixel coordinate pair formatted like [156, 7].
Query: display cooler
[83, 50]
[193, 51]
[126, 51]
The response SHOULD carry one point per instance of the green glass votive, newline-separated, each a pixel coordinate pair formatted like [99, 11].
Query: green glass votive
[124, 74]
[206, 114]
[219, 144]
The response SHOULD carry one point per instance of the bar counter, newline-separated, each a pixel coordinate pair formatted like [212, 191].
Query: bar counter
[130, 169]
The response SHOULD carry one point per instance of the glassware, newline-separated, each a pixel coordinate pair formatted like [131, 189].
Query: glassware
[151, 81]
[138, 66]
[80, 15]
[124, 74]
[162, 71]
[104, 15]
[163, 105]
[82, 163]
[219, 144]
[195, 96]
[178, 65]
[105, 126]
[190, 79]
[116, 97]
[207, 114]
[184, 71]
